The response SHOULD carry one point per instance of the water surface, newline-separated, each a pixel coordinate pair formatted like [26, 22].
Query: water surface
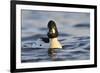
[74, 35]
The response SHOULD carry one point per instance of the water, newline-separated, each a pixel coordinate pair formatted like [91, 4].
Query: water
[74, 35]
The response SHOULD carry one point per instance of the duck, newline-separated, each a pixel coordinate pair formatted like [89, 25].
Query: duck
[51, 41]
[53, 35]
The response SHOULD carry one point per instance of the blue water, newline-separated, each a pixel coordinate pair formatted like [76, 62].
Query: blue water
[74, 35]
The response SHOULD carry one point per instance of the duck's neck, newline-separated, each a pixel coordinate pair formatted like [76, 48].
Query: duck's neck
[54, 43]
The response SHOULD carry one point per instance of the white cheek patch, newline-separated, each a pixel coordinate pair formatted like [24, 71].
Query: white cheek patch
[53, 30]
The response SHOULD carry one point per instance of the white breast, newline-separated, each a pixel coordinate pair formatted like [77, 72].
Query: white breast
[54, 43]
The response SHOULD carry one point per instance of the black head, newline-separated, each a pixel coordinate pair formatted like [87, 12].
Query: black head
[53, 32]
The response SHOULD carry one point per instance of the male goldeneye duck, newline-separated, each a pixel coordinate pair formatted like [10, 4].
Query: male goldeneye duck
[53, 34]
[43, 42]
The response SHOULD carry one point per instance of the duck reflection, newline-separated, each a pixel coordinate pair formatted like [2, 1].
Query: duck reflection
[52, 54]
